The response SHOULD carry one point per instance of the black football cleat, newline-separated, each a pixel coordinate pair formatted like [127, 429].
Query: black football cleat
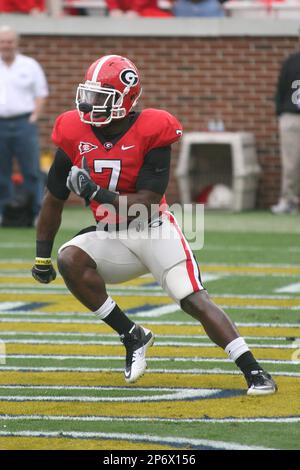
[136, 342]
[260, 383]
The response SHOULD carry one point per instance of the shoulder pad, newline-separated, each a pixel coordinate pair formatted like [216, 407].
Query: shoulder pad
[160, 128]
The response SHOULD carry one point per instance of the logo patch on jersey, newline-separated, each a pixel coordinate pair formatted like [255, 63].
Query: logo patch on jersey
[129, 77]
[124, 147]
[85, 147]
[108, 145]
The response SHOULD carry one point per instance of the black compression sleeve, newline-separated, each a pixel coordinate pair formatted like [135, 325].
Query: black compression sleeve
[44, 248]
[58, 174]
[155, 172]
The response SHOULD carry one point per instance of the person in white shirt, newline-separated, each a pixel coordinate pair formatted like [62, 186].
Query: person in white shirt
[23, 91]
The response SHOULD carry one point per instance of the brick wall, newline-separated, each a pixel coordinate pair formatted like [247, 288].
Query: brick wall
[195, 78]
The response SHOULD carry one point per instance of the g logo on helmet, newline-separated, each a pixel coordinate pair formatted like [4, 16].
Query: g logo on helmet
[129, 77]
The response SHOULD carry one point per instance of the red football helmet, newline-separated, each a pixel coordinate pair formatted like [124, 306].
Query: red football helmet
[111, 89]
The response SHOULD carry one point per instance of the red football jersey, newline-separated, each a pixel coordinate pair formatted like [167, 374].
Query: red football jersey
[115, 166]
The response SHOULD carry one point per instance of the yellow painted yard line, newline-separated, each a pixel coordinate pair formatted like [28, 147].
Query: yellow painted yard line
[9, 266]
[136, 282]
[160, 351]
[276, 269]
[116, 379]
[256, 302]
[246, 269]
[59, 302]
[19, 281]
[55, 327]
[46, 443]
[157, 329]
[284, 403]
[67, 303]
[151, 379]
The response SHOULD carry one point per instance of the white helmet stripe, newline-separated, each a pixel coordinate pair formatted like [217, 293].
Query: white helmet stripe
[99, 65]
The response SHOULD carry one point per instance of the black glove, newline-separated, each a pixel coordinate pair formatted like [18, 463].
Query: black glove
[79, 181]
[43, 270]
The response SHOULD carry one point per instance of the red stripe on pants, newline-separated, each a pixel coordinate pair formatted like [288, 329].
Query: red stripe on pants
[189, 262]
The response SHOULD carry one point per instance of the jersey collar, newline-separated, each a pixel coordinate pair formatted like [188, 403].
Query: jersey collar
[113, 139]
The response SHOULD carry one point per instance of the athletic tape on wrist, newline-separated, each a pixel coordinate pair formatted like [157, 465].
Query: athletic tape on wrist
[43, 261]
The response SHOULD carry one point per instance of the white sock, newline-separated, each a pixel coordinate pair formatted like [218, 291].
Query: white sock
[236, 348]
[105, 308]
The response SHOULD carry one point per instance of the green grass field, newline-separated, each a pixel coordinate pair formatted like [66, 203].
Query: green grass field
[62, 386]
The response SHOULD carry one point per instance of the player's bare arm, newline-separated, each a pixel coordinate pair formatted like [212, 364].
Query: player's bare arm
[47, 227]
[50, 217]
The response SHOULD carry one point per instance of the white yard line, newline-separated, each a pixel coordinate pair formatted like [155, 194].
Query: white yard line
[258, 308]
[247, 248]
[174, 395]
[52, 290]
[97, 336]
[8, 261]
[206, 276]
[22, 313]
[214, 371]
[4, 306]
[159, 311]
[157, 343]
[289, 289]
[140, 291]
[15, 245]
[125, 388]
[162, 440]
[148, 322]
[22, 261]
[170, 394]
[279, 420]
[78, 357]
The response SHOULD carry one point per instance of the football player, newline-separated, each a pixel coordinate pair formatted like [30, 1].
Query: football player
[112, 157]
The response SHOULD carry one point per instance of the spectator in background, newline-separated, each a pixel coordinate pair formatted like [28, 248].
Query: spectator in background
[288, 111]
[23, 89]
[135, 8]
[196, 8]
[22, 6]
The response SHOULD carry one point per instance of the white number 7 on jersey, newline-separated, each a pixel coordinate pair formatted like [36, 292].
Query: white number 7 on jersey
[115, 165]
